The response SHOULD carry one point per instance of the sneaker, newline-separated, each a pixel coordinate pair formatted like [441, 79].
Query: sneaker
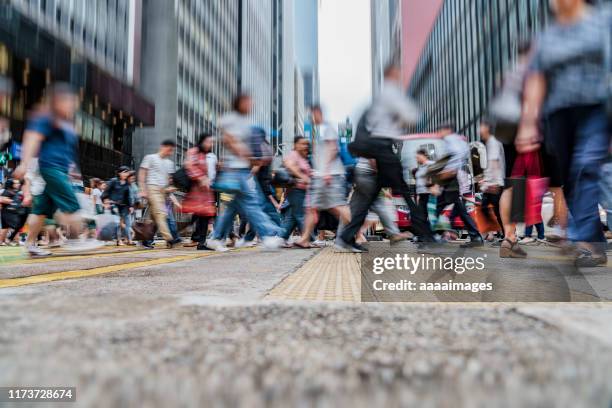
[147, 245]
[34, 251]
[202, 247]
[342, 247]
[527, 241]
[360, 248]
[174, 242]
[320, 243]
[272, 243]
[590, 260]
[242, 243]
[216, 245]
[77, 245]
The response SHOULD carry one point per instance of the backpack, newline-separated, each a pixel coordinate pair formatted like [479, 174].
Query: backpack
[360, 146]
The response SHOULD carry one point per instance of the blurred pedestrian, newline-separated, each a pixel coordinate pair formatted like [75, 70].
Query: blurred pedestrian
[201, 166]
[422, 181]
[236, 129]
[154, 182]
[13, 213]
[389, 114]
[52, 136]
[119, 194]
[493, 181]
[327, 189]
[566, 89]
[298, 166]
[457, 151]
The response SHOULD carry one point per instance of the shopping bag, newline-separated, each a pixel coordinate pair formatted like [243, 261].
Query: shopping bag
[485, 219]
[227, 182]
[535, 188]
[517, 211]
[106, 226]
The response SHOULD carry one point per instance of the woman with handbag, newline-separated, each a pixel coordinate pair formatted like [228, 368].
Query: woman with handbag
[200, 165]
[297, 165]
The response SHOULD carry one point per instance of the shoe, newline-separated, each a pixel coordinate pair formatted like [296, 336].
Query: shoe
[35, 251]
[77, 245]
[397, 238]
[191, 244]
[509, 249]
[319, 243]
[241, 243]
[272, 243]
[146, 245]
[216, 245]
[171, 244]
[590, 260]
[474, 243]
[342, 247]
[360, 247]
[527, 241]
[202, 247]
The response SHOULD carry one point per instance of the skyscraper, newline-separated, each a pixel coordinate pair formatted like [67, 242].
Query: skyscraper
[256, 76]
[190, 60]
[307, 47]
[95, 46]
[386, 31]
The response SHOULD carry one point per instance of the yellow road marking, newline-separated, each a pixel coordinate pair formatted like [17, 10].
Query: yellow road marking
[77, 257]
[50, 277]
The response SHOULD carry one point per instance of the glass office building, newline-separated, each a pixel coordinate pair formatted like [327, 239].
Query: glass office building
[92, 45]
[471, 45]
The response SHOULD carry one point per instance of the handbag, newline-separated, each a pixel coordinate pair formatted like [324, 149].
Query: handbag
[181, 180]
[144, 230]
[506, 110]
[227, 182]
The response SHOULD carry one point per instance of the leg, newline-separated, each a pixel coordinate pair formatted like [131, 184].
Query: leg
[540, 230]
[157, 204]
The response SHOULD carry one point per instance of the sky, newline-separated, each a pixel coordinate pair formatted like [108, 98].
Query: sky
[344, 57]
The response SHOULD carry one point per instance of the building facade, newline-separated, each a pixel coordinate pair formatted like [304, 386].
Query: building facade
[93, 45]
[386, 38]
[307, 47]
[190, 68]
[470, 47]
[299, 111]
[256, 76]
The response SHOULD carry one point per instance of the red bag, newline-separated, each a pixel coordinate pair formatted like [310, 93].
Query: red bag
[200, 202]
[483, 223]
[534, 193]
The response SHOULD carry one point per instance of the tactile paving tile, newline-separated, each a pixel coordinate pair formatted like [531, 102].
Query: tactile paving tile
[328, 276]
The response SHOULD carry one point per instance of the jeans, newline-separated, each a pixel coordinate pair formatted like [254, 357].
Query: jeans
[269, 209]
[294, 216]
[580, 137]
[390, 174]
[247, 203]
[172, 223]
[539, 228]
[124, 214]
[606, 191]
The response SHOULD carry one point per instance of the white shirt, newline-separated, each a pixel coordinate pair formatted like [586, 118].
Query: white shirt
[97, 194]
[391, 112]
[158, 170]
[238, 126]
[495, 152]
[458, 149]
[326, 133]
[421, 181]
[211, 166]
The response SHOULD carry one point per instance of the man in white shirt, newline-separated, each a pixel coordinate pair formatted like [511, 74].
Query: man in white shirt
[493, 182]
[153, 180]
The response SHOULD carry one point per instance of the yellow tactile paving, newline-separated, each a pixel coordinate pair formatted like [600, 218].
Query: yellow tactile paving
[328, 276]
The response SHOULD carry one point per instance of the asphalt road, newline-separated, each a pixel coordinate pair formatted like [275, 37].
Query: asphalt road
[196, 332]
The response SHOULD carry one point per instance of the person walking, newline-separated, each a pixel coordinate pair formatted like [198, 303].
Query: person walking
[297, 165]
[13, 213]
[566, 90]
[390, 112]
[236, 129]
[119, 195]
[493, 181]
[327, 189]
[201, 167]
[458, 151]
[50, 135]
[153, 180]
[422, 181]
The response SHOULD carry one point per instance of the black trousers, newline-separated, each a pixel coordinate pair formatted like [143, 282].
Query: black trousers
[492, 199]
[423, 199]
[390, 174]
[453, 197]
[200, 229]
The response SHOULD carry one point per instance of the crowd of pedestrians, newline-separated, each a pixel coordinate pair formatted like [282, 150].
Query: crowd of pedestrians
[559, 149]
